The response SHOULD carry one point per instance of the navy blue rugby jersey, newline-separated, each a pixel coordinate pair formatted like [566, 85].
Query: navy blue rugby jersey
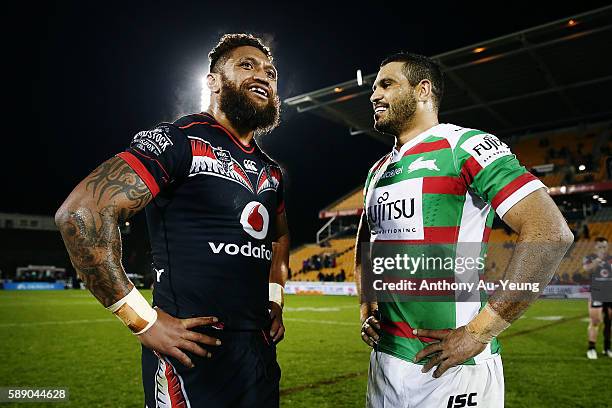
[212, 220]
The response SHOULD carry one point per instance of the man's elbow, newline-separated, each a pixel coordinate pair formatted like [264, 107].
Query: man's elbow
[562, 234]
[67, 211]
[62, 215]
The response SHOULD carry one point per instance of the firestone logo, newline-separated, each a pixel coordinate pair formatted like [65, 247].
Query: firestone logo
[248, 250]
[255, 219]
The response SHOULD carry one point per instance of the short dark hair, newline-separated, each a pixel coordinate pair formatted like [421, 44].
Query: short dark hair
[219, 54]
[419, 67]
[601, 239]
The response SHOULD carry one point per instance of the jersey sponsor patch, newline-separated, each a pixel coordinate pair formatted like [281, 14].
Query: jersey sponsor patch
[255, 220]
[250, 166]
[154, 141]
[486, 148]
[395, 212]
[393, 173]
[247, 250]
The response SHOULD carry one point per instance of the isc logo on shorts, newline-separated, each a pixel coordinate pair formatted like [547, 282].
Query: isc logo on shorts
[462, 400]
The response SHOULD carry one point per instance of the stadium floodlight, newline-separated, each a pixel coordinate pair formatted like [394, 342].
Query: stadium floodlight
[204, 94]
[359, 78]
[595, 197]
[562, 189]
[582, 167]
[127, 223]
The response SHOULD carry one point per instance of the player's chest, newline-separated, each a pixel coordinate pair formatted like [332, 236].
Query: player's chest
[223, 176]
[401, 184]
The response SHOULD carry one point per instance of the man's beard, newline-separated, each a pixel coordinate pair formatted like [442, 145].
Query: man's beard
[398, 116]
[245, 114]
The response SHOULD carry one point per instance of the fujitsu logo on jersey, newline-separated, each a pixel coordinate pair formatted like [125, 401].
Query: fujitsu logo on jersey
[485, 148]
[488, 143]
[216, 162]
[392, 210]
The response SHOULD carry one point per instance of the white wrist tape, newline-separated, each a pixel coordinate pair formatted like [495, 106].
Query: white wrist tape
[277, 294]
[135, 312]
[486, 325]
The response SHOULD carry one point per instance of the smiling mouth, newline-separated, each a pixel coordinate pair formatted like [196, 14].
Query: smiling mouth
[379, 110]
[259, 91]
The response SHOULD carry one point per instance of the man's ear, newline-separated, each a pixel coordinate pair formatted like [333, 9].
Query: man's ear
[213, 81]
[424, 91]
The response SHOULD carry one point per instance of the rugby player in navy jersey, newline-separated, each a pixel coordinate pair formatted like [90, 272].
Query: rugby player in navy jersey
[219, 238]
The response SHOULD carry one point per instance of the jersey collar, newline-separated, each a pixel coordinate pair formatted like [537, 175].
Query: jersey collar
[396, 155]
[247, 148]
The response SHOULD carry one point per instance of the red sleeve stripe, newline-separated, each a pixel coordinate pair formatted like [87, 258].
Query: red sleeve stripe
[141, 170]
[444, 185]
[193, 124]
[469, 170]
[166, 176]
[428, 147]
[511, 187]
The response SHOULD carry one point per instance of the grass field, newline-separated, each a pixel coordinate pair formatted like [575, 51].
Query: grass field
[67, 339]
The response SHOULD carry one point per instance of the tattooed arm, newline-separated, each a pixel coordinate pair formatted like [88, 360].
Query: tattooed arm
[89, 223]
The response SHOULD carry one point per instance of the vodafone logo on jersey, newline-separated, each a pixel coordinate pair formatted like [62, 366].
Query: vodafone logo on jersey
[255, 219]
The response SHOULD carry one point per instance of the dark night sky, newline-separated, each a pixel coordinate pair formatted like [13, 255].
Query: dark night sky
[83, 79]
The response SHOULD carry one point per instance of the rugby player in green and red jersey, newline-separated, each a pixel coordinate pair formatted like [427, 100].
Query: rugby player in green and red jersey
[442, 184]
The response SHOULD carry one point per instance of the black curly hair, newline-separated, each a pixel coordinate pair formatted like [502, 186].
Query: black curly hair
[219, 54]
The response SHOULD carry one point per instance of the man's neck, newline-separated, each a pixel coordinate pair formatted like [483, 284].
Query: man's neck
[245, 137]
[415, 128]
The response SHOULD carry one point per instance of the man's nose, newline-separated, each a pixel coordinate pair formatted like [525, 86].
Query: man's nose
[260, 75]
[375, 97]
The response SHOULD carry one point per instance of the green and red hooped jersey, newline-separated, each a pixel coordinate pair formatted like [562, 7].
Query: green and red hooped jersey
[442, 187]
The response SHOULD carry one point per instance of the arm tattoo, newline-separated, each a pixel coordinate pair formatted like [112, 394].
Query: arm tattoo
[91, 231]
[115, 177]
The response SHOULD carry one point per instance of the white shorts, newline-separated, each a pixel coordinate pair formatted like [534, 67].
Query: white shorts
[396, 383]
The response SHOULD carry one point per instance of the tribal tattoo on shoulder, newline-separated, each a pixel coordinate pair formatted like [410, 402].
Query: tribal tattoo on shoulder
[91, 233]
[113, 178]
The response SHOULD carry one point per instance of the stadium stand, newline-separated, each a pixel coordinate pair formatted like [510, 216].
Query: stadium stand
[315, 262]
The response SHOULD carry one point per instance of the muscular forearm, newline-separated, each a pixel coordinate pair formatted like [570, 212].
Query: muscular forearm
[280, 260]
[537, 255]
[93, 240]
